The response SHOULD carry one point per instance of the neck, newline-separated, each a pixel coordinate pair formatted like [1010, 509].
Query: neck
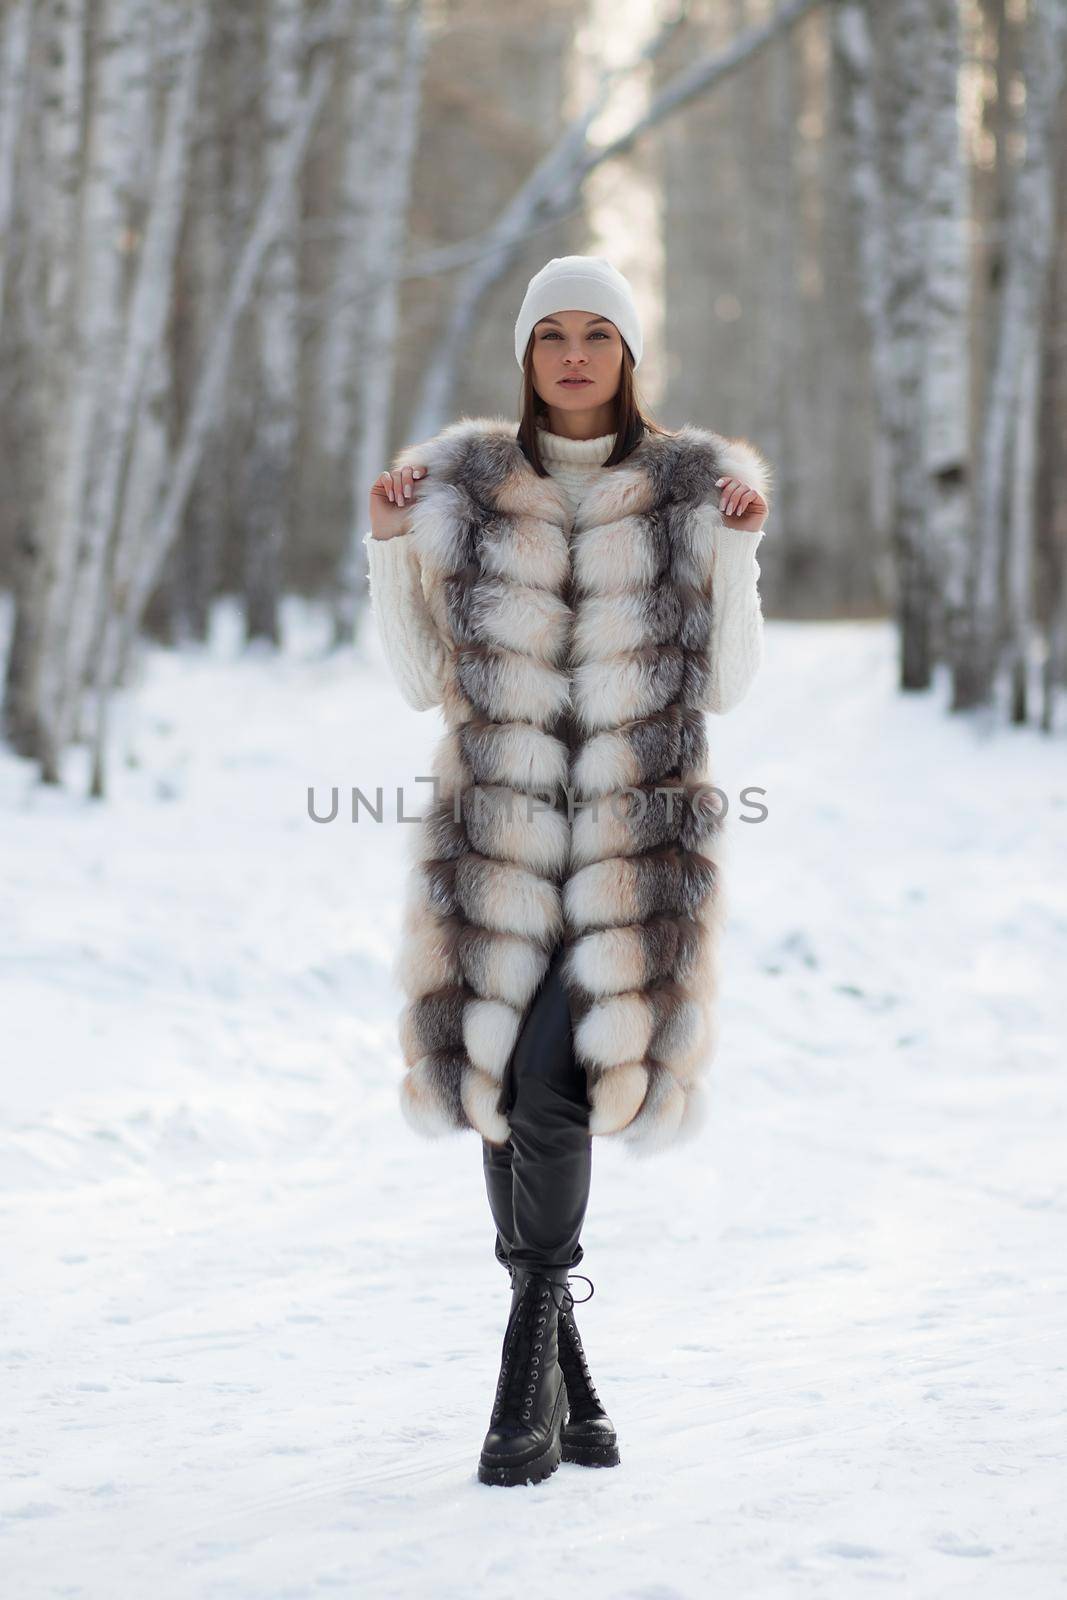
[591, 422]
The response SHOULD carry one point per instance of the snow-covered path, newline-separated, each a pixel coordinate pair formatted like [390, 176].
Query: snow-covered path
[250, 1328]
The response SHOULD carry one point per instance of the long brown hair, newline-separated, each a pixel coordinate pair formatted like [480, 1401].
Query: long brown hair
[631, 422]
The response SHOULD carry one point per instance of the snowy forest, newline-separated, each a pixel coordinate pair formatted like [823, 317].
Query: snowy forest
[250, 250]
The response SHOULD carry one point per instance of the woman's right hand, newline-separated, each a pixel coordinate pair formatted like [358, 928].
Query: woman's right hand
[390, 502]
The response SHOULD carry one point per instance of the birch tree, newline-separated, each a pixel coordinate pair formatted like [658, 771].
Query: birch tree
[199, 295]
[54, 222]
[859, 131]
[269, 481]
[133, 459]
[1051, 510]
[145, 560]
[947, 378]
[1026, 256]
[355, 199]
[778, 237]
[78, 549]
[1019, 575]
[907, 171]
[391, 153]
[242, 68]
[14, 59]
[156, 190]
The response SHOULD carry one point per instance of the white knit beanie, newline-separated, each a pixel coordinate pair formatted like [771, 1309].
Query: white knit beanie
[579, 283]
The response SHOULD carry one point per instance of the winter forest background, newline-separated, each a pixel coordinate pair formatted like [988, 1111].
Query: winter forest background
[248, 248]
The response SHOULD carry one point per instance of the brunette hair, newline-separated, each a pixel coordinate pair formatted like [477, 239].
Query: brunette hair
[630, 425]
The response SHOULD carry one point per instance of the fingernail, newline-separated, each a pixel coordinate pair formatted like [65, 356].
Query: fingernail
[719, 482]
[407, 491]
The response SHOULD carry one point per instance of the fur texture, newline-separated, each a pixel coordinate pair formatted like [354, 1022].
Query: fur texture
[572, 786]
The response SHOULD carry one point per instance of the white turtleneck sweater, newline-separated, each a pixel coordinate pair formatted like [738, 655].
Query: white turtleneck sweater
[417, 654]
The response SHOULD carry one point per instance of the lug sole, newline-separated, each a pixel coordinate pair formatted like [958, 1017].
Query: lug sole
[538, 1468]
[590, 1455]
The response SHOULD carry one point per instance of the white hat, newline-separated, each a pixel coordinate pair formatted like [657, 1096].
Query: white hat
[579, 283]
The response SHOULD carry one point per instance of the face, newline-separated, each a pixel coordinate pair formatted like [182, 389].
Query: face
[570, 345]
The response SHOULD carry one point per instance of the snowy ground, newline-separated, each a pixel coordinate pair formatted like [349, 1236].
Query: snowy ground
[251, 1324]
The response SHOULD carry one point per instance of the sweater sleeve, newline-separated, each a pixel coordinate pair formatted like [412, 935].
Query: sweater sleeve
[414, 648]
[736, 645]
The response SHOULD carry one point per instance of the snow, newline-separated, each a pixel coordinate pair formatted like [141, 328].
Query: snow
[252, 1323]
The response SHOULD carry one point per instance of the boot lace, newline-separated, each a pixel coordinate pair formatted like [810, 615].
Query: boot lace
[572, 1358]
[570, 1300]
[521, 1369]
[566, 1300]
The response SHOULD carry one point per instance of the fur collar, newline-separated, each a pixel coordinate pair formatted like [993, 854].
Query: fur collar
[480, 459]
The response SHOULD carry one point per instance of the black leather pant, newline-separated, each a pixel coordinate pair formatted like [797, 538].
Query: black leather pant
[538, 1182]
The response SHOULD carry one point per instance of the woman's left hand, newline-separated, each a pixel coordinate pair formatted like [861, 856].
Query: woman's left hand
[740, 506]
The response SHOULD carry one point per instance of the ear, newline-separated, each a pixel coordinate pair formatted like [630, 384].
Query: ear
[738, 458]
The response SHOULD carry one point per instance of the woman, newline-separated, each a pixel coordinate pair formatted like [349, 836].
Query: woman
[575, 594]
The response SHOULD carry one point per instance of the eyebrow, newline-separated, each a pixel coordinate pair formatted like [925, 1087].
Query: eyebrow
[559, 324]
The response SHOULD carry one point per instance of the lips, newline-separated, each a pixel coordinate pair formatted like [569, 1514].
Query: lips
[575, 383]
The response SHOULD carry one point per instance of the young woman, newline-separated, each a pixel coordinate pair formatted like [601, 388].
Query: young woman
[575, 593]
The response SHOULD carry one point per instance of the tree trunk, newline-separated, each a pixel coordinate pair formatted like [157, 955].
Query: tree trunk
[907, 168]
[1051, 513]
[53, 225]
[203, 412]
[948, 381]
[14, 56]
[199, 294]
[1027, 251]
[394, 158]
[119, 467]
[858, 130]
[1021, 529]
[77, 542]
[350, 188]
[270, 488]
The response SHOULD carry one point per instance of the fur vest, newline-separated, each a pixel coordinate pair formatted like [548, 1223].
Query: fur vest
[572, 796]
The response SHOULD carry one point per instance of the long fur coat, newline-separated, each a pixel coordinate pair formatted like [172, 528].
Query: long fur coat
[572, 794]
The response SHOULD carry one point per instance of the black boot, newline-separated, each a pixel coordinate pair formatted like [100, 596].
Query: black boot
[588, 1437]
[523, 1442]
